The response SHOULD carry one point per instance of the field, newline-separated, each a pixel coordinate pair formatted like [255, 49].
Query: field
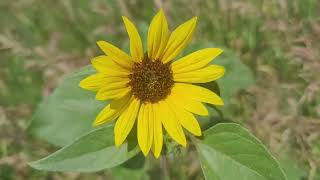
[278, 40]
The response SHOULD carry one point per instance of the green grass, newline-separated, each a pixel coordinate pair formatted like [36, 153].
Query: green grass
[279, 40]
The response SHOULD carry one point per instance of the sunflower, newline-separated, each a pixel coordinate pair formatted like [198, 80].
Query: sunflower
[151, 88]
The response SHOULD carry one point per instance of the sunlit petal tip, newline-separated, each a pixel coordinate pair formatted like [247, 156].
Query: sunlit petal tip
[204, 112]
[220, 50]
[81, 84]
[222, 71]
[193, 21]
[100, 43]
[124, 18]
[144, 152]
[94, 62]
[96, 123]
[161, 13]
[216, 100]
[117, 140]
[220, 102]
[98, 97]
[84, 84]
[117, 143]
[156, 155]
[198, 133]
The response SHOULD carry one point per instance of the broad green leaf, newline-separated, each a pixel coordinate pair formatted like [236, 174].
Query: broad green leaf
[230, 152]
[92, 152]
[68, 112]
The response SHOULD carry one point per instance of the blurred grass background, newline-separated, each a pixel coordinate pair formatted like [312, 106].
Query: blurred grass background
[41, 40]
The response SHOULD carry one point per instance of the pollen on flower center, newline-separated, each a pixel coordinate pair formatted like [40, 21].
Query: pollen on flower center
[151, 81]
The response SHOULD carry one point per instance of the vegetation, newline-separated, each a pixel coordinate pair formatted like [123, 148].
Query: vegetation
[278, 40]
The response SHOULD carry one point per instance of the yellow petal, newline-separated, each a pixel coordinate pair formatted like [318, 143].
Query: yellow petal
[120, 57]
[186, 119]
[126, 121]
[136, 47]
[195, 107]
[107, 65]
[171, 123]
[157, 131]
[198, 93]
[94, 82]
[108, 113]
[178, 40]
[113, 90]
[187, 103]
[145, 128]
[196, 60]
[189, 122]
[207, 74]
[158, 35]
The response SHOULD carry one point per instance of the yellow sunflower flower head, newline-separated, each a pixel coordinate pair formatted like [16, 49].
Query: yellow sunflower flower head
[151, 89]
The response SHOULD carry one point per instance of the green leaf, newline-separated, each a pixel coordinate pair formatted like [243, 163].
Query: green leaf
[230, 152]
[92, 152]
[68, 113]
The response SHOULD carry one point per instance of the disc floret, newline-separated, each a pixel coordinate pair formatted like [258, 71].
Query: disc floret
[151, 80]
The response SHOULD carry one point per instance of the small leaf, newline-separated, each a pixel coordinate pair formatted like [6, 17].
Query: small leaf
[230, 152]
[67, 113]
[92, 152]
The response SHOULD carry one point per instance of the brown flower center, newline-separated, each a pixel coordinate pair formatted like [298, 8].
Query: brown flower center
[151, 81]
